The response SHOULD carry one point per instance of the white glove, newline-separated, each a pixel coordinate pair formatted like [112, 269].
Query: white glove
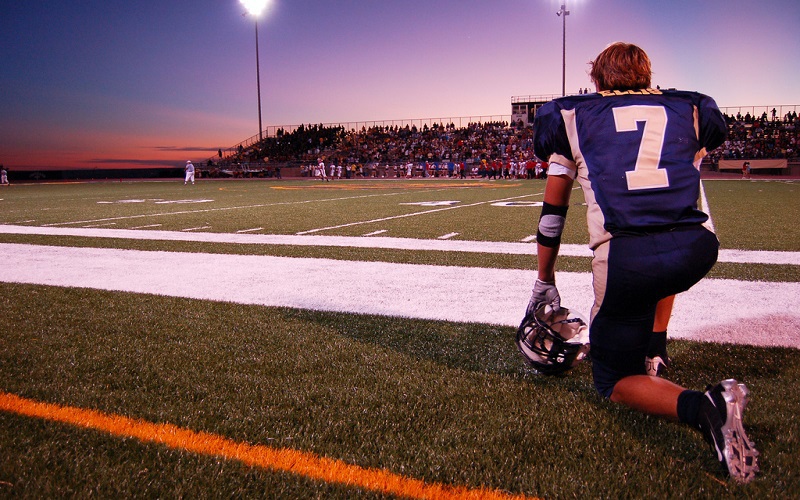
[544, 292]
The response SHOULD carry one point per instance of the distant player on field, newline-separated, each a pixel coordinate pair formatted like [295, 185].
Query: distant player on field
[635, 151]
[323, 176]
[189, 169]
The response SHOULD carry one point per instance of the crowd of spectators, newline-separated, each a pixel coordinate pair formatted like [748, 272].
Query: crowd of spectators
[760, 137]
[394, 147]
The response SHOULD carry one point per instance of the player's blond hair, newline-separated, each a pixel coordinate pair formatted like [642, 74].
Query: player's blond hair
[621, 66]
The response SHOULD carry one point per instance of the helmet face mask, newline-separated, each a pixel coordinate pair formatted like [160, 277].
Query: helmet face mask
[552, 341]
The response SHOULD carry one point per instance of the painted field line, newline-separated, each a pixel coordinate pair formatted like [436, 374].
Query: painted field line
[447, 236]
[280, 459]
[705, 208]
[498, 247]
[705, 313]
[414, 214]
[101, 225]
[249, 230]
[495, 247]
[220, 209]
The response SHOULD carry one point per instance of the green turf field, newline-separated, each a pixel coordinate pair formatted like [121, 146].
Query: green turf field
[439, 402]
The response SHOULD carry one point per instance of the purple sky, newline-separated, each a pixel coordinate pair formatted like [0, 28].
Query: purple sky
[94, 83]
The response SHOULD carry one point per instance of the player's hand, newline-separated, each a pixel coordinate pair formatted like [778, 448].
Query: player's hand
[544, 292]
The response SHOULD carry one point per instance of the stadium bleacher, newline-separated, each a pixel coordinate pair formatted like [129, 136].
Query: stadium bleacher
[749, 137]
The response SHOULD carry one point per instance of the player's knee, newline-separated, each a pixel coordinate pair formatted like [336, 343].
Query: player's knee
[609, 367]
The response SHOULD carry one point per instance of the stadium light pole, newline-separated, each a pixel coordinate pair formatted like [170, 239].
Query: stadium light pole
[255, 8]
[563, 13]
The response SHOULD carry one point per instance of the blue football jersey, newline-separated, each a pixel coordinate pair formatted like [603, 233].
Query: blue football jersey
[635, 153]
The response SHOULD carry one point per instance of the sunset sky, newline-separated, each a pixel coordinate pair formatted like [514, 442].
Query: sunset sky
[99, 84]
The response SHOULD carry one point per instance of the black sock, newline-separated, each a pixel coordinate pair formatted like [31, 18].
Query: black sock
[658, 345]
[689, 407]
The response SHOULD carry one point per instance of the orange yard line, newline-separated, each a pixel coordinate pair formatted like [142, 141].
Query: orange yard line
[282, 459]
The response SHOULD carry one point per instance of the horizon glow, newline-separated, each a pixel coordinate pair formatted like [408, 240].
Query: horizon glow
[88, 84]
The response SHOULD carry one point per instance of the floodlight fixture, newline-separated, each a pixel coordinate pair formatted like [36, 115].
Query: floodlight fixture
[255, 8]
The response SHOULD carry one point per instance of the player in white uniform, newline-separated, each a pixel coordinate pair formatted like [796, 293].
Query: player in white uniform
[189, 173]
[322, 174]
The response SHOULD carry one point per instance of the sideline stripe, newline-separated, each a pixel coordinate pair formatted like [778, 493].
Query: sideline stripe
[498, 247]
[283, 459]
[704, 207]
[393, 289]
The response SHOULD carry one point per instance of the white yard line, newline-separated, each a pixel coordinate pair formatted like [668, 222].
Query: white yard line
[221, 209]
[413, 214]
[301, 240]
[101, 225]
[705, 313]
[447, 236]
[498, 247]
[705, 208]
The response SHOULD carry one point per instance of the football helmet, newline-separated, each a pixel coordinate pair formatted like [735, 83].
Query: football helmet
[552, 341]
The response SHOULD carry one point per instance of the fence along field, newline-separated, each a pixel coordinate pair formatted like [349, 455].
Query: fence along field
[236, 206]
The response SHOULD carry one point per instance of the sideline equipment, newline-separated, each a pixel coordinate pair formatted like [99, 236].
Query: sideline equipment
[553, 340]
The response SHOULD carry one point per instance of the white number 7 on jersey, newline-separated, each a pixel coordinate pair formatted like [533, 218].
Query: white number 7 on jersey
[646, 174]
